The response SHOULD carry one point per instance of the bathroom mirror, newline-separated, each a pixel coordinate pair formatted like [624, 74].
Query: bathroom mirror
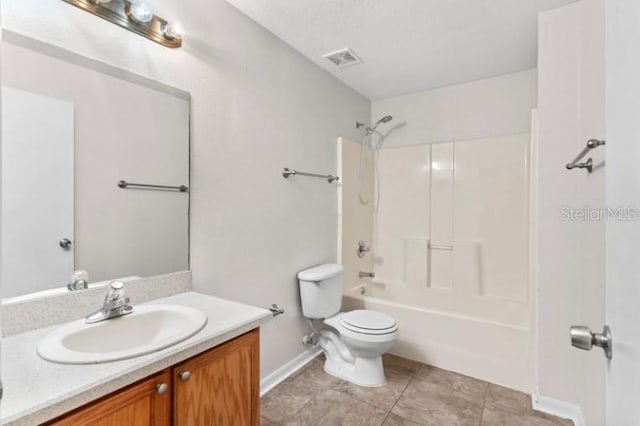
[72, 129]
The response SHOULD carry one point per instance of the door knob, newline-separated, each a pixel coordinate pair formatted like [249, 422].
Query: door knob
[65, 243]
[583, 338]
[162, 388]
[184, 375]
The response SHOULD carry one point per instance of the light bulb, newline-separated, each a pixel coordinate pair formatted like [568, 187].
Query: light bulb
[171, 31]
[141, 12]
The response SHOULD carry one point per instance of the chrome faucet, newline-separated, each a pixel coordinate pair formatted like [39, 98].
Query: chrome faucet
[115, 304]
[79, 281]
[363, 274]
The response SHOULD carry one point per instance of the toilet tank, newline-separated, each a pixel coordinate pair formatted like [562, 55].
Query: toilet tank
[321, 290]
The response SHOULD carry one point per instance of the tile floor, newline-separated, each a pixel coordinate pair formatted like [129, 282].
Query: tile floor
[415, 394]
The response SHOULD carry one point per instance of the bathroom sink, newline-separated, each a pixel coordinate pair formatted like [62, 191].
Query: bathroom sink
[148, 329]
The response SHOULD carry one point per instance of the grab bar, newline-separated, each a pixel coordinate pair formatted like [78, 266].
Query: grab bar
[439, 247]
[288, 172]
[575, 164]
[124, 184]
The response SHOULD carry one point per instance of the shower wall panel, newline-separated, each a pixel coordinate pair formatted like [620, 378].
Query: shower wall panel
[451, 227]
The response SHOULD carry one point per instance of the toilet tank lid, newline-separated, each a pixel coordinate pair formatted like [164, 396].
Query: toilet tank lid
[320, 272]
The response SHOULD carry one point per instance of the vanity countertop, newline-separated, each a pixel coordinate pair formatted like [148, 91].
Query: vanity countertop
[36, 390]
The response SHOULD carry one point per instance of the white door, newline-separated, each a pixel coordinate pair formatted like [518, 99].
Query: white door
[37, 191]
[623, 190]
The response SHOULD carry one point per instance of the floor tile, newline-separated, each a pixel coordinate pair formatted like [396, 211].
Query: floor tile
[331, 407]
[267, 422]
[288, 397]
[431, 403]
[395, 420]
[400, 365]
[417, 394]
[283, 402]
[313, 378]
[507, 399]
[463, 386]
[383, 397]
[497, 417]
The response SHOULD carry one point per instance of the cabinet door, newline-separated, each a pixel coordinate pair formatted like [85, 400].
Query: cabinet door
[219, 387]
[145, 403]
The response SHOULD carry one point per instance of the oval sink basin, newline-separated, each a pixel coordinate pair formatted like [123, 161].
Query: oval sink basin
[148, 329]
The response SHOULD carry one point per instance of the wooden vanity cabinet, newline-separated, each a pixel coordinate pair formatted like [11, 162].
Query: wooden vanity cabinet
[146, 403]
[219, 387]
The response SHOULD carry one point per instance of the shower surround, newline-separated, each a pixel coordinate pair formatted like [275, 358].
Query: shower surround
[449, 242]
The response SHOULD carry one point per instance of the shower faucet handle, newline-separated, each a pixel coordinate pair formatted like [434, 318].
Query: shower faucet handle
[362, 249]
[363, 274]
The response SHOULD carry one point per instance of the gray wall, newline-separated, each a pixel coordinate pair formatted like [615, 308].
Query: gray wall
[257, 106]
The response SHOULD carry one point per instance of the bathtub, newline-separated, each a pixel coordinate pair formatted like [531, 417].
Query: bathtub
[489, 350]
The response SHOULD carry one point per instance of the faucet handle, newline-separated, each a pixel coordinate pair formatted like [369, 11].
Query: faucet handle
[116, 291]
[116, 303]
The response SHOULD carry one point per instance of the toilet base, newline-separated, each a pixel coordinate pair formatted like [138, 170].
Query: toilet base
[367, 372]
[354, 357]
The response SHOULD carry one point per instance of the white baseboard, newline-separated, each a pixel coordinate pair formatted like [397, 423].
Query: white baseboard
[558, 408]
[270, 381]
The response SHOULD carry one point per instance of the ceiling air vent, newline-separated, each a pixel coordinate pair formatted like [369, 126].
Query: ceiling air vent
[343, 58]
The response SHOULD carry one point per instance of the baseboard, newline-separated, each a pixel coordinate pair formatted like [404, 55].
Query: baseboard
[270, 381]
[558, 408]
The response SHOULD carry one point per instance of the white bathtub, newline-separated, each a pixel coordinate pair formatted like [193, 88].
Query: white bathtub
[488, 350]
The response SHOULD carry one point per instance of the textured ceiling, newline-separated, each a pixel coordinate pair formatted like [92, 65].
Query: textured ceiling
[408, 45]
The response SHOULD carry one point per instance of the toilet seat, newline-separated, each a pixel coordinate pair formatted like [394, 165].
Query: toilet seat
[368, 322]
[364, 325]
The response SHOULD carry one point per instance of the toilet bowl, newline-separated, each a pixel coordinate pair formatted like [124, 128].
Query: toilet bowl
[366, 335]
[353, 342]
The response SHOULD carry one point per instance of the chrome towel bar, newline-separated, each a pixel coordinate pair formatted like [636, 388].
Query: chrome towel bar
[288, 172]
[575, 164]
[276, 310]
[124, 184]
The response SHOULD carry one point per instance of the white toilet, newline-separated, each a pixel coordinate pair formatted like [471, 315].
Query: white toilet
[353, 342]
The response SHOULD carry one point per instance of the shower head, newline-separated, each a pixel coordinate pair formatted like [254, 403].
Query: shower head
[383, 120]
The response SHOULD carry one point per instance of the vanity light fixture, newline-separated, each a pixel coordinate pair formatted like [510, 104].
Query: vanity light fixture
[140, 12]
[171, 32]
[135, 16]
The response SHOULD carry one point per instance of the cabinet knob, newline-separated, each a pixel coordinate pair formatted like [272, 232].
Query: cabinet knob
[184, 375]
[162, 388]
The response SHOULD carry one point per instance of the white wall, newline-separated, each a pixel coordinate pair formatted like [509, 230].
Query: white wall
[571, 253]
[257, 106]
[355, 218]
[493, 107]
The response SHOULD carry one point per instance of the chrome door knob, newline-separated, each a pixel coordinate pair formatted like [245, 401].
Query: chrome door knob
[65, 243]
[184, 375]
[583, 338]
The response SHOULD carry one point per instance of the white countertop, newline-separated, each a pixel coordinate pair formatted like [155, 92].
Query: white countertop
[36, 390]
